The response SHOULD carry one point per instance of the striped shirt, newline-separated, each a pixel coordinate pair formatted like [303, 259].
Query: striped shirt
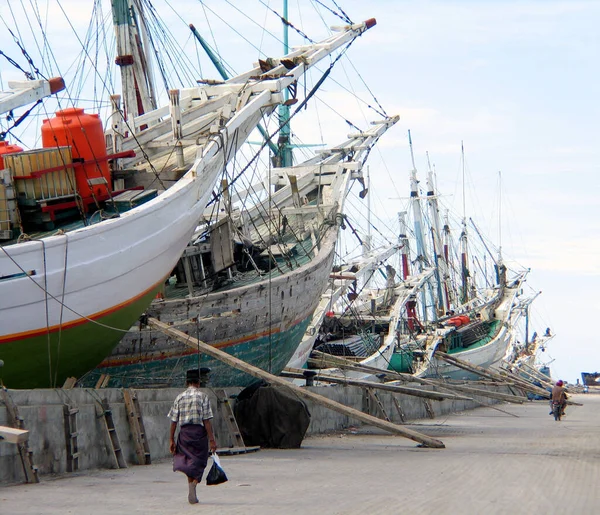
[191, 407]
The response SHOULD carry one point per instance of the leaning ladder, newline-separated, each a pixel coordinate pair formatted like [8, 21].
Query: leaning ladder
[377, 401]
[30, 470]
[136, 423]
[228, 415]
[71, 435]
[226, 412]
[115, 445]
[429, 408]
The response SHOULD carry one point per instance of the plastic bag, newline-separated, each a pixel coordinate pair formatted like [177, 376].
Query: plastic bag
[216, 475]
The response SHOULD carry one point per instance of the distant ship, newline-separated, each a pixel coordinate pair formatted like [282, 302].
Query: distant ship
[590, 378]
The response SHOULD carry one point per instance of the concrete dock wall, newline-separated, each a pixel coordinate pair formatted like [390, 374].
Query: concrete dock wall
[43, 415]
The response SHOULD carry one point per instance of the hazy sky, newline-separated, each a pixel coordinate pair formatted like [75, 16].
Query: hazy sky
[517, 81]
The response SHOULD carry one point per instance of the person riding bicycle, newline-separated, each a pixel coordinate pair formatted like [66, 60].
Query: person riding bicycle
[559, 396]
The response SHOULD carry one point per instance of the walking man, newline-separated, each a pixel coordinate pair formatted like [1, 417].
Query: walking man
[192, 411]
[559, 396]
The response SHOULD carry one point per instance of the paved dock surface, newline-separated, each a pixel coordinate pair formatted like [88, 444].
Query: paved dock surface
[493, 464]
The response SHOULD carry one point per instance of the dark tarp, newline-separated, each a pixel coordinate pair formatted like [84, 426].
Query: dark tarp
[271, 416]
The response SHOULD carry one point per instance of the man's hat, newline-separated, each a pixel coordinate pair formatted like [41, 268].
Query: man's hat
[193, 376]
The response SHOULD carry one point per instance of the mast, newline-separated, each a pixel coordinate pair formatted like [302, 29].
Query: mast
[411, 311]
[403, 243]
[416, 207]
[369, 238]
[440, 261]
[501, 268]
[284, 155]
[464, 294]
[418, 221]
[447, 256]
[137, 88]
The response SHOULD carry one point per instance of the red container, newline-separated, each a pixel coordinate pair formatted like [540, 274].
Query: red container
[7, 148]
[84, 134]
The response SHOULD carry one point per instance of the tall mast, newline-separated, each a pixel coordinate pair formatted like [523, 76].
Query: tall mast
[464, 295]
[403, 243]
[440, 261]
[135, 83]
[501, 268]
[447, 257]
[367, 244]
[283, 142]
[418, 221]
[411, 311]
[416, 206]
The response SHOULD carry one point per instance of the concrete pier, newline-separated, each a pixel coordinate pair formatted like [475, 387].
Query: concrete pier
[493, 463]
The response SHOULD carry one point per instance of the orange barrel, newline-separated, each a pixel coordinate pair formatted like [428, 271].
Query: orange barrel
[7, 148]
[456, 322]
[84, 134]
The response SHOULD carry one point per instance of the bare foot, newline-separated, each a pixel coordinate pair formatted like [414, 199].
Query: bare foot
[192, 499]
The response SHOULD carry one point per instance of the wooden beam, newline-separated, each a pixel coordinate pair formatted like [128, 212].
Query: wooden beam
[13, 435]
[346, 364]
[459, 363]
[436, 396]
[302, 392]
[531, 372]
[484, 393]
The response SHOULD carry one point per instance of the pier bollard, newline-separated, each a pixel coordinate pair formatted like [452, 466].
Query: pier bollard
[309, 376]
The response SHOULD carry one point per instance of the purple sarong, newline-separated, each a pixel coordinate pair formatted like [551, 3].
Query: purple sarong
[192, 451]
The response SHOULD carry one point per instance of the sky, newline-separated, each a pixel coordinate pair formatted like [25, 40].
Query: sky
[515, 81]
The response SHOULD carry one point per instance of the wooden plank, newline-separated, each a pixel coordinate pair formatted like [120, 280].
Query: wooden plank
[437, 396]
[345, 364]
[459, 363]
[69, 383]
[102, 381]
[339, 362]
[13, 435]
[302, 392]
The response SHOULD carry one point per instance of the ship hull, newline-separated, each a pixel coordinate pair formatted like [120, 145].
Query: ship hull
[261, 323]
[486, 356]
[68, 280]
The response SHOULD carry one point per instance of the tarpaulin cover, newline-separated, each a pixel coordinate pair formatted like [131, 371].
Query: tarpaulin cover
[271, 416]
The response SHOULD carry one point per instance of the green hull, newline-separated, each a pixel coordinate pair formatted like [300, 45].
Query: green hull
[268, 353]
[401, 361]
[45, 361]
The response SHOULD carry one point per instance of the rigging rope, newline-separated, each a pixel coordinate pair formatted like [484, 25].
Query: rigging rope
[19, 120]
[341, 15]
[286, 22]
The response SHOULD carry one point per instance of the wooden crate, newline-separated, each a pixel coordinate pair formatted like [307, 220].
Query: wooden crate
[57, 184]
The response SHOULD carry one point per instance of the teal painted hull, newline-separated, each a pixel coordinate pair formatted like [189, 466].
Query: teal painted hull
[270, 353]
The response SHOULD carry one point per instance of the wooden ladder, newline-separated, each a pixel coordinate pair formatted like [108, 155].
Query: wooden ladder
[115, 445]
[71, 435]
[429, 408]
[377, 401]
[30, 470]
[136, 423]
[227, 413]
[399, 409]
